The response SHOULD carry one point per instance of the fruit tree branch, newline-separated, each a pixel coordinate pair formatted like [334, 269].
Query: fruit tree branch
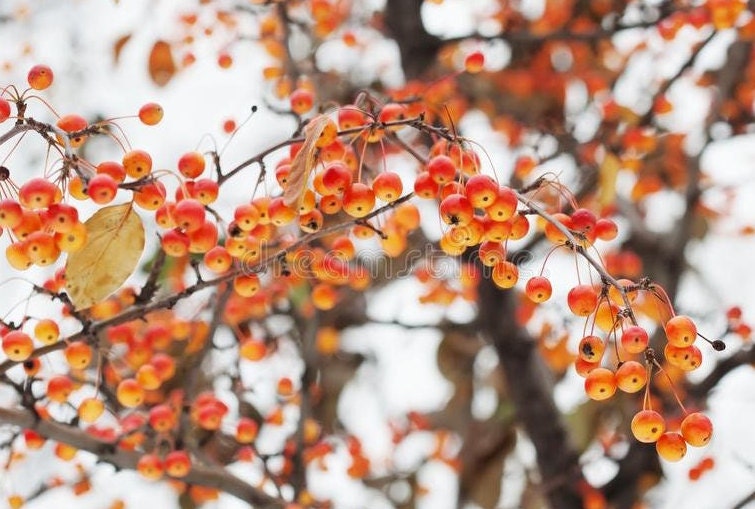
[109, 453]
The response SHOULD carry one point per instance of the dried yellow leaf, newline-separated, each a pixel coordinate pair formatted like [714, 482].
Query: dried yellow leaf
[114, 245]
[304, 161]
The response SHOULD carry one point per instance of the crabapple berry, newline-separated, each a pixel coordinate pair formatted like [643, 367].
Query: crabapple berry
[151, 114]
[591, 348]
[538, 289]
[90, 409]
[39, 77]
[634, 339]
[191, 164]
[648, 426]
[387, 186]
[177, 464]
[631, 376]
[600, 383]
[697, 429]
[680, 331]
[671, 446]
[4, 110]
[582, 300]
[17, 345]
[129, 393]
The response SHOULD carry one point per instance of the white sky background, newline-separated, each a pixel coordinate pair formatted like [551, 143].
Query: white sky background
[75, 38]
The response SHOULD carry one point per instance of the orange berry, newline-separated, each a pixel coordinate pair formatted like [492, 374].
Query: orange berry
[151, 114]
[687, 358]
[102, 188]
[302, 100]
[491, 253]
[600, 383]
[634, 339]
[441, 169]
[631, 376]
[191, 164]
[697, 429]
[177, 464]
[46, 331]
[504, 206]
[358, 200]
[11, 213]
[474, 62]
[246, 285]
[129, 393]
[505, 275]
[671, 446]
[4, 110]
[78, 354]
[456, 210]
[387, 186]
[425, 186]
[137, 163]
[39, 77]
[591, 348]
[175, 243]
[189, 214]
[538, 289]
[680, 331]
[606, 229]
[246, 430]
[324, 296]
[648, 426]
[481, 190]
[582, 300]
[218, 259]
[150, 466]
[17, 345]
[252, 349]
[90, 409]
[162, 418]
[59, 388]
[72, 123]
[37, 193]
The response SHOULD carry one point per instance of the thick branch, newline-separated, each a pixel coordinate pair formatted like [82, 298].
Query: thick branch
[531, 388]
[109, 453]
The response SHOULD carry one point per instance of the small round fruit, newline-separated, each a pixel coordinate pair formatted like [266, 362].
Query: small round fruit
[671, 446]
[150, 466]
[591, 348]
[177, 464]
[648, 426]
[582, 300]
[90, 409]
[17, 346]
[78, 354]
[631, 376]
[680, 331]
[600, 384]
[387, 186]
[634, 339]
[151, 114]
[129, 393]
[4, 110]
[538, 289]
[697, 429]
[40, 77]
[191, 164]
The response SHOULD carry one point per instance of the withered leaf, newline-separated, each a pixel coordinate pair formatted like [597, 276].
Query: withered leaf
[114, 245]
[304, 161]
[118, 46]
